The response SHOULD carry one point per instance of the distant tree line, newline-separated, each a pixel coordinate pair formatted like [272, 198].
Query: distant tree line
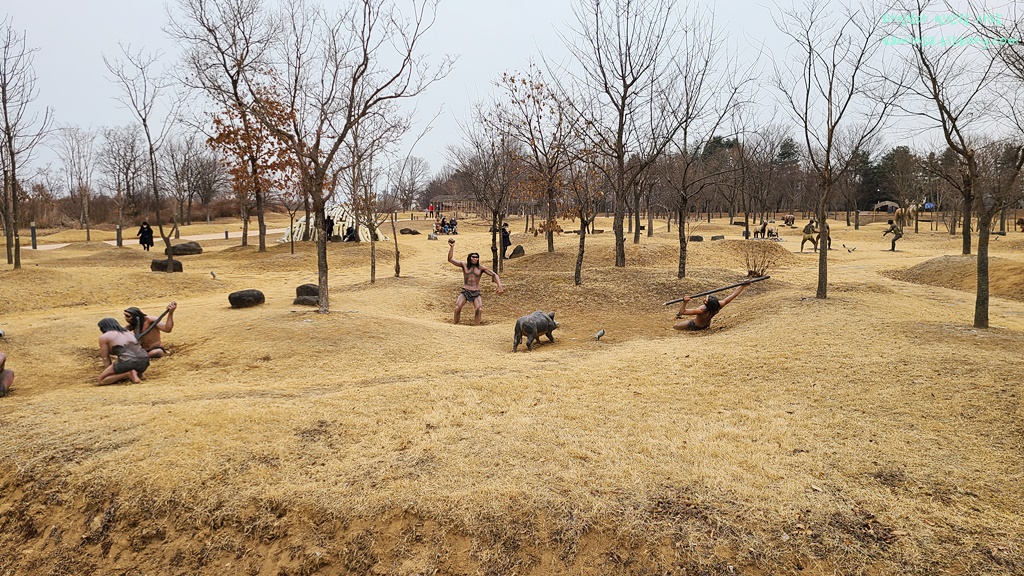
[653, 116]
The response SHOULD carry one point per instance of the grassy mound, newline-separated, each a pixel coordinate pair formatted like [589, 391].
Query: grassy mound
[959, 272]
[872, 432]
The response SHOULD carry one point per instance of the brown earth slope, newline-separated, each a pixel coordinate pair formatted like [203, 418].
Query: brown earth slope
[873, 432]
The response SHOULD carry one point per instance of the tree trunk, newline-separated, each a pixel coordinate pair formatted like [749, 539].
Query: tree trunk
[681, 230]
[261, 221]
[620, 239]
[309, 216]
[8, 216]
[245, 224]
[823, 234]
[321, 257]
[650, 219]
[981, 299]
[578, 274]
[636, 220]
[398, 255]
[372, 227]
[968, 194]
[495, 232]
[551, 217]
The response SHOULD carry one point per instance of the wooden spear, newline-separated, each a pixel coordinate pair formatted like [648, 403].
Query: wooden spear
[750, 281]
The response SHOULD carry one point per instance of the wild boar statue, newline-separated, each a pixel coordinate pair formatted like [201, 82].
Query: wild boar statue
[532, 326]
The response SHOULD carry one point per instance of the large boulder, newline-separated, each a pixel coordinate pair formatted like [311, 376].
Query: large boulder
[246, 298]
[162, 266]
[186, 249]
[517, 251]
[307, 295]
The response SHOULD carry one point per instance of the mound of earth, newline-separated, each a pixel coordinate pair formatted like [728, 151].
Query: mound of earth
[960, 272]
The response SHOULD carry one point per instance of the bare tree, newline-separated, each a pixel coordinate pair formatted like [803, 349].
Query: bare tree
[539, 122]
[370, 150]
[1002, 26]
[209, 179]
[227, 42]
[143, 90]
[624, 50]
[178, 162]
[687, 178]
[75, 148]
[333, 70]
[488, 166]
[834, 92]
[20, 128]
[957, 95]
[411, 179]
[121, 161]
[586, 184]
[961, 98]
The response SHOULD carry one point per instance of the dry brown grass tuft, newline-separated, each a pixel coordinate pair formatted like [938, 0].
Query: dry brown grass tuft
[875, 432]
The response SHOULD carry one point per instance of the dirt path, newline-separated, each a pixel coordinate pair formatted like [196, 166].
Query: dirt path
[225, 236]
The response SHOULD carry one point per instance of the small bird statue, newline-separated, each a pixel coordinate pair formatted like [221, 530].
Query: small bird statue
[214, 274]
[599, 334]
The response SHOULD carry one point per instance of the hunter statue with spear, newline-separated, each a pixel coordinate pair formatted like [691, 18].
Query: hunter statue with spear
[703, 314]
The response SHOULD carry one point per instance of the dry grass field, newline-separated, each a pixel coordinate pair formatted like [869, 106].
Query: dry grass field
[873, 432]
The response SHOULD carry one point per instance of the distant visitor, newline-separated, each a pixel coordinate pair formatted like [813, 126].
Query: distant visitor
[145, 235]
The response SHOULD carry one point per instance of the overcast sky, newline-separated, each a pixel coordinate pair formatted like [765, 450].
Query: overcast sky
[488, 36]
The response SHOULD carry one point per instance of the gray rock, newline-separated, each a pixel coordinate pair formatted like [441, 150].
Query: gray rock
[719, 237]
[306, 301]
[696, 238]
[186, 249]
[517, 251]
[431, 236]
[532, 326]
[161, 266]
[409, 231]
[246, 298]
[308, 290]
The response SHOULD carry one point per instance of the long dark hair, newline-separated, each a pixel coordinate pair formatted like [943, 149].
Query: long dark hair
[137, 318]
[110, 325]
[713, 305]
[469, 263]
